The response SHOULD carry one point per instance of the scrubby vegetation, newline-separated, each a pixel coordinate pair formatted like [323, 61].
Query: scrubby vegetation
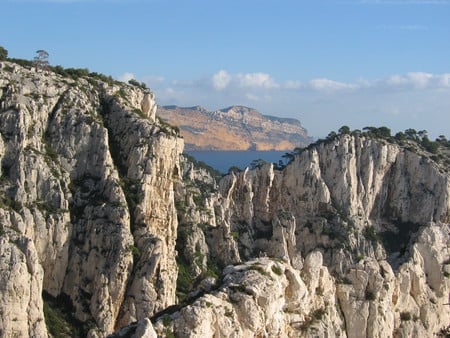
[135, 83]
[41, 61]
[59, 318]
[167, 128]
[3, 53]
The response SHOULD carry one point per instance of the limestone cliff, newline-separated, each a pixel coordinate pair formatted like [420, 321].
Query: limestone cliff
[234, 128]
[355, 227]
[106, 229]
[87, 208]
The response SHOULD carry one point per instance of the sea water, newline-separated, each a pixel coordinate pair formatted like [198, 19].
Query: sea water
[224, 160]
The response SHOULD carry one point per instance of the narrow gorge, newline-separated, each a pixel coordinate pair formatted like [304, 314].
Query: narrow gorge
[108, 230]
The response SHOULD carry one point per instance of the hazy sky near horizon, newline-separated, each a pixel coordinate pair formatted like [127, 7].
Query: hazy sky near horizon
[327, 63]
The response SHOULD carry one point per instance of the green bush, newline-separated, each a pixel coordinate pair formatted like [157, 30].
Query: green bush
[59, 319]
[371, 234]
[135, 250]
[3, 53]
[260, 269]
[277, 270]
[135, 83]
[184, 278]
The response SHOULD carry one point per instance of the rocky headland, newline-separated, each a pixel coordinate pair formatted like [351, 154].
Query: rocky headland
[108, 230]
[234, 128]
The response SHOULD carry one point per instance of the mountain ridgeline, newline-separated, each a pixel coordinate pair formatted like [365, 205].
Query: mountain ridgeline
[234, 128]
[108, 230]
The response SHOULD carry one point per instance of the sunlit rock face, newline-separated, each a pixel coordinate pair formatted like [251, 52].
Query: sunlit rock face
[105, 225]
[87, 177]
[235, 128]
[361, 222]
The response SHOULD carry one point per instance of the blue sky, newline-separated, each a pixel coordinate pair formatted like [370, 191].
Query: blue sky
[327, 63]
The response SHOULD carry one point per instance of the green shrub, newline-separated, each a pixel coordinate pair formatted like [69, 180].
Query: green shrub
[135, 250]
[59, 319]
[169, 334]
[371, 234]
[3, 53]
[184, 278]
[260, 269]
[213, 269]
[56, 323]
[135, 83]
[235, 235]
[51, 153]
[277, 270]
[166, 320]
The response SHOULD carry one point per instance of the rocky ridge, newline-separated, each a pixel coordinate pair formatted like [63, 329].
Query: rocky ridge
[361, 222]
[107, 229]
[234, 128]
[87, 206]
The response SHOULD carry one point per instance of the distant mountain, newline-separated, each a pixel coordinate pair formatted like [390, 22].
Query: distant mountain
[234, 128]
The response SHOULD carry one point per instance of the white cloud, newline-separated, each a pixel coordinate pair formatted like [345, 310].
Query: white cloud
[125, 77]
[256, 80]
[323, 84]
[418, 100]
[261, 84]
[418, 80]
[444, 80]
[221, 80]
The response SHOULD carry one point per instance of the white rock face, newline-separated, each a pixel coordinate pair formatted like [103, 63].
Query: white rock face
[63, 153]
[148, 106]
[337, 197]
[262, 297]
[21, 288]
[351, 239]
[310, 216]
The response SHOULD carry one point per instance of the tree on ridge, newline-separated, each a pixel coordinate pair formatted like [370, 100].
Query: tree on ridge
[41, 59]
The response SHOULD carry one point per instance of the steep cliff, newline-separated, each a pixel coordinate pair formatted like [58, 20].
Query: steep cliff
[87, 201]
[107, 229]
[355, 227]
[235, 128]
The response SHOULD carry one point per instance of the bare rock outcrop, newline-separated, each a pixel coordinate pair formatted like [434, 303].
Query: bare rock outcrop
[20, 286]
[96, 217]
[378, 214]
[106, 227]
[262, 297]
